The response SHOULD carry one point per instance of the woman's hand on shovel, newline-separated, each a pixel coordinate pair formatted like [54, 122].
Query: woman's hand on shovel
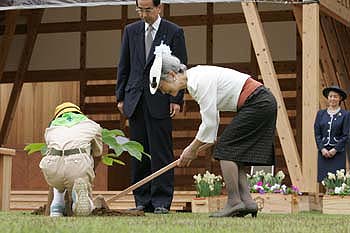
[187, 156]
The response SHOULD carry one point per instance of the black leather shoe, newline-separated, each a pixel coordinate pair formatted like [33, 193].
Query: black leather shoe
[161, 210]
[138, 208]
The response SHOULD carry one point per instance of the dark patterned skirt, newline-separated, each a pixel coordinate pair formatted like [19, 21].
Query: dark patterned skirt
[249, 138]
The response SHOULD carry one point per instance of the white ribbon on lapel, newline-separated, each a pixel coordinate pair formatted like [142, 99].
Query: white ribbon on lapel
[156, 69]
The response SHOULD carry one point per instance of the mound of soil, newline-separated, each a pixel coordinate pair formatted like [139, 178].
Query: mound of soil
[109, 212]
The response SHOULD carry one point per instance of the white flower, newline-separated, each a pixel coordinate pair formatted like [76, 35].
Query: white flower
[331, 176]
[323, 183]
[337, 190]
[275, 187]
[284, 187]
[340, 174]
[280, 175]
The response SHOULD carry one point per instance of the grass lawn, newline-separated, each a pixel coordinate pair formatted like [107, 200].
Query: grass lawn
[22, 222]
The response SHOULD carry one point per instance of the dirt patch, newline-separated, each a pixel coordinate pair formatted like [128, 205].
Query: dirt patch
[109, 212]
[101, 209]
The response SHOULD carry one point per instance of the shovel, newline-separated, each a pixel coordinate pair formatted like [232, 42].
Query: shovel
[152, 176]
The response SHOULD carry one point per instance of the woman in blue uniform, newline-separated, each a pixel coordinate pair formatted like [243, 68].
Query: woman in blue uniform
[331, 133]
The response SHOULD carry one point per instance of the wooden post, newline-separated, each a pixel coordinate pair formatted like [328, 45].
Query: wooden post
[5, 177]
[10, 22]
[268, 73]
[311, 87]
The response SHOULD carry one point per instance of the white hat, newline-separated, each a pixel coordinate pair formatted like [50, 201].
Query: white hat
[156, 69]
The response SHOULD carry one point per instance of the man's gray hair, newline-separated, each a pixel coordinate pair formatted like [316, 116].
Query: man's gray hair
[171, 63]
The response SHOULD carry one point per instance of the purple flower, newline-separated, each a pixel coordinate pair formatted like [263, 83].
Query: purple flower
[261, 191]
[260, 183]
[295, 188]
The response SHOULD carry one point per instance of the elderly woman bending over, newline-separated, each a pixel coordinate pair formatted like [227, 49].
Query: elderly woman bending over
[247, 140]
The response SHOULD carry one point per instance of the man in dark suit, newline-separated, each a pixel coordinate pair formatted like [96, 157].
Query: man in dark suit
[149, 115]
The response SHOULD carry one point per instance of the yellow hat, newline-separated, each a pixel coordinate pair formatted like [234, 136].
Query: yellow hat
[66, 107]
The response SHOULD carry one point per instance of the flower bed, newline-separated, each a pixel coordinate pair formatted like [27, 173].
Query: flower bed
[208, 198]
[337, 198]
[274, 197]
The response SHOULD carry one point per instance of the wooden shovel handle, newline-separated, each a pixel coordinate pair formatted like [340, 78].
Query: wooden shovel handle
[144, 181]
[152, 176]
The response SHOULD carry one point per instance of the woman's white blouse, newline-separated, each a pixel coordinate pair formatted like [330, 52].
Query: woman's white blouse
[215, 89]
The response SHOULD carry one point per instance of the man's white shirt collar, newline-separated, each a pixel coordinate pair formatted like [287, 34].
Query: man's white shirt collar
[155, 25]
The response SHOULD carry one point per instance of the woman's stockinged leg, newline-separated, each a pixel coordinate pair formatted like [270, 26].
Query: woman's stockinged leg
[234, 203]
[244, 191]
[230, 173]
[250, 204]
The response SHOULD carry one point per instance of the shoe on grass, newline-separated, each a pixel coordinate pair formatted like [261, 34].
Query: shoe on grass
[57, 210]
[82, 203]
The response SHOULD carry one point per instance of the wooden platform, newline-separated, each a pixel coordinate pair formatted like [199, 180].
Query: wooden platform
[30, 200]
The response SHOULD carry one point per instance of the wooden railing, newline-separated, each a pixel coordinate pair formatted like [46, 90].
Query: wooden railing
[5, 177]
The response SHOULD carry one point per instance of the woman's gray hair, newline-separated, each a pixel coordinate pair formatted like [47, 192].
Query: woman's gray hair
[171, 63]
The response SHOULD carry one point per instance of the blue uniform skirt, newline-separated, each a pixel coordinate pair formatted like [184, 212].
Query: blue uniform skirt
[333, 164]
[249, 138]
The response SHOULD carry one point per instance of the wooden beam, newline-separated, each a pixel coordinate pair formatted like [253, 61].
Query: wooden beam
[10, 27]
[327, 67]
[282, 67]
[33, 25]
[311, 87]
[83, 44]
[299, 91]
[210, 13]
[5, 181]
[336, 54]
[182, 20]
[323, 84]
[7, 151]
[5, 177]
[298, 15]
[338, 9]
[268, 73]
[343, 39]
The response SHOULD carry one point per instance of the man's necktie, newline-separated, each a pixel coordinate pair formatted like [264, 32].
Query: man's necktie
[148, 40]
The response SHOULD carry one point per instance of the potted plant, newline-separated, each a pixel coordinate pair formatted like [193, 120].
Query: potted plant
[337, 197]
[208, 187]
[271, 195]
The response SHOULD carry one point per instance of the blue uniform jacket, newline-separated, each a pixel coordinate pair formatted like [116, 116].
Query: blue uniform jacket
[331, 131]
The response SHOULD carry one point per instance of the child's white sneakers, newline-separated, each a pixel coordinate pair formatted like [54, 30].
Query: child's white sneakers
[82, 203]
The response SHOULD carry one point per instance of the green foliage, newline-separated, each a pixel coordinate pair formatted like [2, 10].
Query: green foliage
[115, 139]
[337, 184]
[262, 182]
[36, 147]
[208, 184]
[108, 160]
